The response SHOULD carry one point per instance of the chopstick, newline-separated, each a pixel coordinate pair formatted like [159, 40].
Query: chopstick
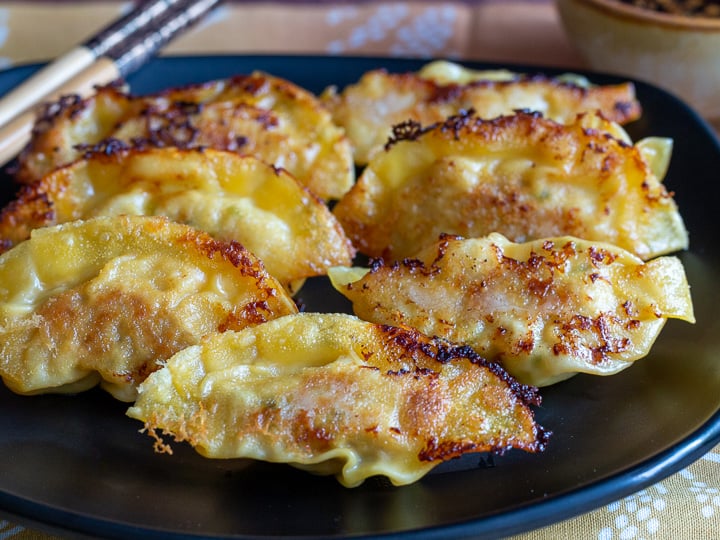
[78, 58]
[121, 54]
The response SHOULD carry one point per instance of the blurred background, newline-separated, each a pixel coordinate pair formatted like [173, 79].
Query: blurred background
[526, 31]
[615, 36]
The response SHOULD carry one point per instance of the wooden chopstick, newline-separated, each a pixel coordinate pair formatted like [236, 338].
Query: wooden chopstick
[119, 61]
[58, 72]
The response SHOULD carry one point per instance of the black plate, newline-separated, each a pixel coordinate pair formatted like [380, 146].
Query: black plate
[76, 465]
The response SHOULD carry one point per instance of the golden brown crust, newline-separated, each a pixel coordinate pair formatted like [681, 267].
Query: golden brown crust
[69, 122]
[545, 309]
[229, 196]
[338, 395]
[255, 114]
[115, 295]
[380, 99]
[521, 175]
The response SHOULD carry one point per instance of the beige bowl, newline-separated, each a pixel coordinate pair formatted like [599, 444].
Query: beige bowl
[680, 54]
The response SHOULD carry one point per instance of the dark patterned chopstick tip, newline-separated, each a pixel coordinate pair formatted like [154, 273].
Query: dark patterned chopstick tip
[135, 52]
[133, 22]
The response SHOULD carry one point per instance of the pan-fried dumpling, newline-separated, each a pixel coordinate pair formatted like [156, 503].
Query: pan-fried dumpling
[229, 196]
[545, 309]
[336, 395]
[258, 114]
[379, 100]
[523, 176]
[103, 300]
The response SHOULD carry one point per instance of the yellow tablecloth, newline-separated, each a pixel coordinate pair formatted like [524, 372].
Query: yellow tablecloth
[683, 506]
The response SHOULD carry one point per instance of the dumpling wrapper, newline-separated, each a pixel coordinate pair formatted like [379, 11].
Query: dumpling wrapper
[257, 114]
[545, 310]
[379, 100]
[103, 300]
[229, 196]
[523, 176]
[335, 395]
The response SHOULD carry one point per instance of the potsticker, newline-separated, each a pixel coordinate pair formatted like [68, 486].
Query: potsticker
[545, 310]
[258, 114]
[379, 100]
[335, 395]
[523, 176]
[229, 196]
[102, 300]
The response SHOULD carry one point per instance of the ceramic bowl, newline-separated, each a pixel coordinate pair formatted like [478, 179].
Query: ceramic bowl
[678, 53]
